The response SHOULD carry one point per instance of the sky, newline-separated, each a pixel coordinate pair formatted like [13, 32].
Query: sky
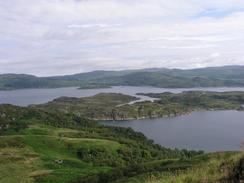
[57, 37]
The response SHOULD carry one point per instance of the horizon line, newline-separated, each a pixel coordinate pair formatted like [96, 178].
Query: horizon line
[104, 70]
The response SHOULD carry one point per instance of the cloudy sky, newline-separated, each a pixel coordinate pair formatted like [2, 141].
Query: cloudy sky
[53, 37]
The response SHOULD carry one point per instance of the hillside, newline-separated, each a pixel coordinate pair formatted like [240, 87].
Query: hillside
[221, 167]
[42, 146]
[168, 78]
[39, 146]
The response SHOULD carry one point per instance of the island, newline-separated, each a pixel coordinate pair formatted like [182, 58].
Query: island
[114, 106]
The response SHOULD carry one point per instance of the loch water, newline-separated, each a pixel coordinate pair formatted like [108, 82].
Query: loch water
[202, 130]
[24, 97]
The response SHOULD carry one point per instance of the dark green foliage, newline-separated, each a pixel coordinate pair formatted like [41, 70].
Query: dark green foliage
[18, 118]
[16, 142]
[203, 100]
[99, 156]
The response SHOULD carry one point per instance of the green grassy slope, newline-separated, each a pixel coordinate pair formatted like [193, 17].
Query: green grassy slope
[32, 141]
[210, 168]
[31, 158]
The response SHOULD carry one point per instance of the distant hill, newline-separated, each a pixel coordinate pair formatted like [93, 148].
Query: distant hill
[157, 77]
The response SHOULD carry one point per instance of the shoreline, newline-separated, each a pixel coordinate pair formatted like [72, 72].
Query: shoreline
[170, 116]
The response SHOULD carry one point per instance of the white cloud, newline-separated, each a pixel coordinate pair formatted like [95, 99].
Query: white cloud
[67, 36]
[101, 25]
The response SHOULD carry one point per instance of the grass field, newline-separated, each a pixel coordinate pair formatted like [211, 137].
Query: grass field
[31, 157]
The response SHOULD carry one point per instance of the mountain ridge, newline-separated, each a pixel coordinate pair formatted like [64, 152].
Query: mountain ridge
[157, 77]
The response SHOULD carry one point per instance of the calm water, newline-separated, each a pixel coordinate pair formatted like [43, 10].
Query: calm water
[26, 97]
[206, 130]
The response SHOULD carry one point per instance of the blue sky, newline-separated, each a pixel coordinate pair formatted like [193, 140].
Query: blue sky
[53, 37]
[218, 12]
